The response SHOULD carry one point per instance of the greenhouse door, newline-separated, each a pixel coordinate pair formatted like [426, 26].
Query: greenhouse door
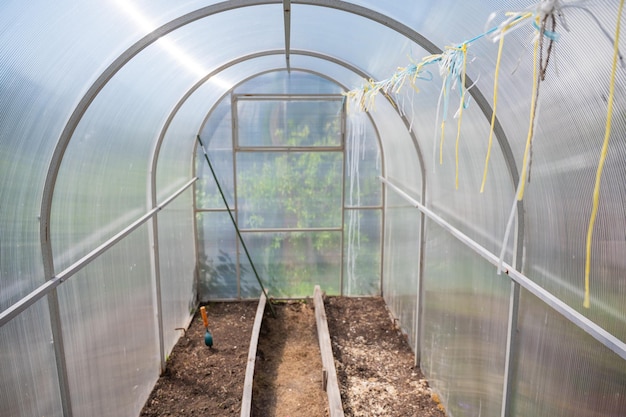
[284, 161]
[289, 171]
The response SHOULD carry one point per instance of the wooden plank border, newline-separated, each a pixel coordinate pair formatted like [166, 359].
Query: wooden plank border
[246, 399]
[328, 361]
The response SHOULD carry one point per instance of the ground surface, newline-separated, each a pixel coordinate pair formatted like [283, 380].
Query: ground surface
[288, 373]
[373, 360]
[200, 381]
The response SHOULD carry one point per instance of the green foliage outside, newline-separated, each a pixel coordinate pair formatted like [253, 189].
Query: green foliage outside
[284, 197]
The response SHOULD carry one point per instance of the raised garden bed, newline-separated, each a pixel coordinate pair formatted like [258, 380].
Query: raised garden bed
[373, 360]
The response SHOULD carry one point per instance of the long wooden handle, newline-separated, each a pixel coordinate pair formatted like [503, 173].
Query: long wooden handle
[205, 319]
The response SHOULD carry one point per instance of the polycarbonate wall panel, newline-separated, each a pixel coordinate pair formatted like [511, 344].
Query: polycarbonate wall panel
[363, 163]
[292, 263]
[362, 252]
[177, 264]
[401, 262]
[402, 164]
[465, 310]
[218, 141]
[29, 380]
[561, 371]
[110, 332]
[566, 153]
[218, 261]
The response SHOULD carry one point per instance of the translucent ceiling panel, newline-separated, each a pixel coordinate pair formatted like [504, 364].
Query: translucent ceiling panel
[297, 82]
[28, 375]
[402, 163]
[176, 149]
[359, 41]
[103, 179]
[334, 70]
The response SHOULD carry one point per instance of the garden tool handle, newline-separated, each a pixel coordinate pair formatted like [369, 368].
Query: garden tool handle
[205, 319]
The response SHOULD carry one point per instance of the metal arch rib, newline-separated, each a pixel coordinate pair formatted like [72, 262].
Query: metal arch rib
[147, 40]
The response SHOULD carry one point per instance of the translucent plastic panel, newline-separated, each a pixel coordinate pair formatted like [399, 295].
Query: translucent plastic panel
[292, 263]
[217, 138]
[289, 190]
[109, 329]
[28, 376]
[296, 82]
[353, 38]
[465, 310]
[289, 123]
[363, 163]
[569, 139]
[177, 264]
[401, 262]
[362, 252]
[561, 371]
[402, 163]
[217, 257]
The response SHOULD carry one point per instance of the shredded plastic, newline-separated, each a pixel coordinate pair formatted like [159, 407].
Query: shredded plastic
[544, 16]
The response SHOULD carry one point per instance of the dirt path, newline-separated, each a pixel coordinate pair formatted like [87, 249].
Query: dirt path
[288, 374]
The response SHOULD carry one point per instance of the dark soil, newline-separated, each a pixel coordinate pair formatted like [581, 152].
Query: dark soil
[375, 364]
[373, 360]
[203, 381]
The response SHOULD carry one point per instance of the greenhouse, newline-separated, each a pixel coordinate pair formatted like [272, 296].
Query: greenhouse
[462, 162]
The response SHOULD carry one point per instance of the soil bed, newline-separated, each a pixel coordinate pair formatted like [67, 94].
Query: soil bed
[202, 381]
[373, 360]
[375, 363]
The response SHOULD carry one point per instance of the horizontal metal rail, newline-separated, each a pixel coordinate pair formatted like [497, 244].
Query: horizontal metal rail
[293, 230]
[595, 331]
[41, 291]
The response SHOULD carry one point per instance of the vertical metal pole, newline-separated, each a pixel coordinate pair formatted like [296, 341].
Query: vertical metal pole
[419, 290]
[55, 316]
[59, 351]
[511, 339]
[511, 349]
[156, 276]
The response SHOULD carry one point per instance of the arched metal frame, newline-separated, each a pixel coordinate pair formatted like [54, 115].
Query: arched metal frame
[107, 75]
[53, 280]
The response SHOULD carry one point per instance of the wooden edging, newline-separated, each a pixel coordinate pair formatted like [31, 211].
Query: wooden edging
[328, 361]
[246, 399]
